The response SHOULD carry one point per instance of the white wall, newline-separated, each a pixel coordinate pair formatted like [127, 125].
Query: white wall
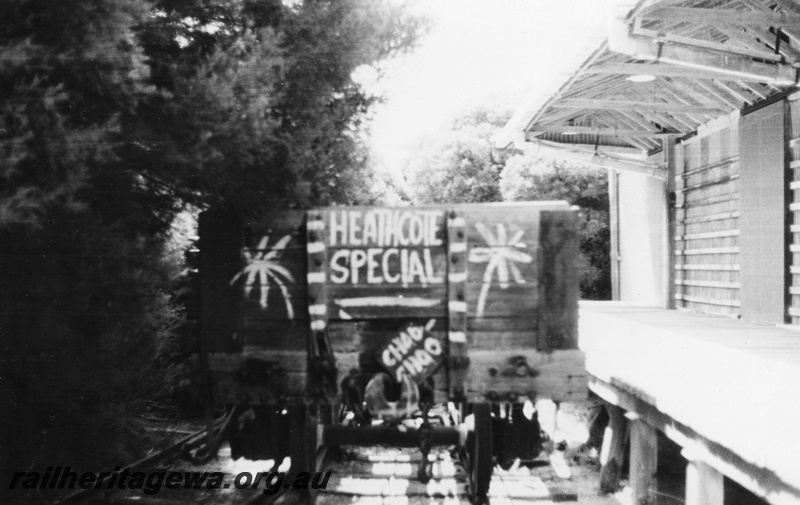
[642, 239]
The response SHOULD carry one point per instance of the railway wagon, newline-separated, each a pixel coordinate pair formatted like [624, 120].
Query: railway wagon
[384, 312]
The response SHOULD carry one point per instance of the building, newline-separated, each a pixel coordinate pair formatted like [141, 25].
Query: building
[693, 107]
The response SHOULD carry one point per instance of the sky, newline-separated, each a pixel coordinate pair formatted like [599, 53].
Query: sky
[491, 52]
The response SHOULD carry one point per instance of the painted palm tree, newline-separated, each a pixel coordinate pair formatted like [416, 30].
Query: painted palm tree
[501, 256]
[263, 267]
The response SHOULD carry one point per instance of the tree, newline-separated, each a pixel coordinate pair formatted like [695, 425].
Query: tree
[461, 165]
[527, 178]
[86, 306]
[70, 73]
[265, 113]
[116, 114]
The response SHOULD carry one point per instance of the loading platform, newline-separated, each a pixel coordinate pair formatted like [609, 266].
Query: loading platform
[726, 391]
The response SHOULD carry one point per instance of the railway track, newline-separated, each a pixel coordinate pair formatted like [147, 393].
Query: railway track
[351, 474]
[359, 475]
[388, 476]
[183, 457]
[228, 493]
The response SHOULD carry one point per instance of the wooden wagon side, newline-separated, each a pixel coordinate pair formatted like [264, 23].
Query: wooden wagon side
[291, 308]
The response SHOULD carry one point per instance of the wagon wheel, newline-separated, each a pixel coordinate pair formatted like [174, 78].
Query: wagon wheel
[329, 415]
[479, 449]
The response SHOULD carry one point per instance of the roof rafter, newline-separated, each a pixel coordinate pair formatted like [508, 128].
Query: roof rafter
[787, 48]
[676, 122]
[706, 44]
[751, 40]
[593, 86]
[594, 103]
[769, 39]
[726, 66]
[663, 69]
[599, 52]
[680, 94]
[664, 120]
[731, 100]
[760, 94]
[722, 16]
[733, 92]
[689, 86]
[787, 5]
[602, 131]
[665, 88]
[638, 119]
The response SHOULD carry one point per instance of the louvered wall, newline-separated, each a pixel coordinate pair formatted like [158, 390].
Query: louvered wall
[794, 207]
[707, 223]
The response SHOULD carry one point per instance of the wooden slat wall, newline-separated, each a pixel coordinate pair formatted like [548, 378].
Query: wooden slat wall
[707, 223]
[793, 151]
[764, 258]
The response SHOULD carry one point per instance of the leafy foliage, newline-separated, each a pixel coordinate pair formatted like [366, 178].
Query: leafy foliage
[114, 116]
[68, 72]
[461, 165]
[269, 115]
[85, 303]
[85, 325]
[526, 178]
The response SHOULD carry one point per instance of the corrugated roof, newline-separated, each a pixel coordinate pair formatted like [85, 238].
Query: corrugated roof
[705, 59]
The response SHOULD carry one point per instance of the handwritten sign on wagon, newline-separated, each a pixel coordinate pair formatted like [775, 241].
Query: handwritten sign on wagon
[384, 262]
[413, 352]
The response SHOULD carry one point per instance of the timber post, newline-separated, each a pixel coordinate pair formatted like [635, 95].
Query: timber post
[704, 484]
[644, 460]
[612, 453]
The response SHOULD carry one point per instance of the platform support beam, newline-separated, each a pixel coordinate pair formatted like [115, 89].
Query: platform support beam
[643, 461]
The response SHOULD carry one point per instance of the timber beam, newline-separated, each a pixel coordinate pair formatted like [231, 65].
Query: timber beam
[575, 103]
[722, 16]
[592, 158]
[664, 70]
[706, 44]
[617, 132]
[726, 66]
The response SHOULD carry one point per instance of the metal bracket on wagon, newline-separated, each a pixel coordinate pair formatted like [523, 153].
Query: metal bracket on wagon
[257, 371]
[518, 367]
[458, 362]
